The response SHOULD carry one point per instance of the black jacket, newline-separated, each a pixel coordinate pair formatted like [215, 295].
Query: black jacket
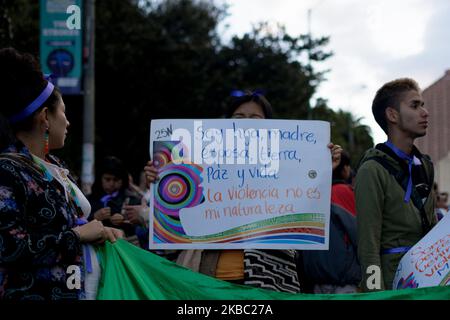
[37, 244]
[339, 264]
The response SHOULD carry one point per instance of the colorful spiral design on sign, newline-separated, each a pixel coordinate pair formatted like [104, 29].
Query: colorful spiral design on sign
[163, 154]
[178, 187]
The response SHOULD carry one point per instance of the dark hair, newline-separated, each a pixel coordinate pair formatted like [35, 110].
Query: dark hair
[6, 135]
[390, 95]
[110, 165]
[345, 161]
[257, 98]
[21, 82]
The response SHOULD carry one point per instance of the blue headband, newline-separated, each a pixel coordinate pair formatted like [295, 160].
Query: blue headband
[32, 107]
[240, 93]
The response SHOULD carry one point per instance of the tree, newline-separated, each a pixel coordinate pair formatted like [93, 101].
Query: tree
[19, 25]
[153, 61]
[177, 67]
[165, 59]
[270, 61]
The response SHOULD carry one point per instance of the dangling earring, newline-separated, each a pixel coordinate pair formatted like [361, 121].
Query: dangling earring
[46, 148]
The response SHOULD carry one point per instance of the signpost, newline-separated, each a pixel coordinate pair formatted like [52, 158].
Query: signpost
[60, 47]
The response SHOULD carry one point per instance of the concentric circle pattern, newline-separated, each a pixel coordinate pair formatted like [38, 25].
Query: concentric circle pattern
[178, 188]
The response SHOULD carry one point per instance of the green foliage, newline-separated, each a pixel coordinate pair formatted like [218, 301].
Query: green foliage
[346, 131]
[165, 59]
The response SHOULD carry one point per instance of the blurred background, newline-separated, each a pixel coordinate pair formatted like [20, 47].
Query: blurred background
[133, 61]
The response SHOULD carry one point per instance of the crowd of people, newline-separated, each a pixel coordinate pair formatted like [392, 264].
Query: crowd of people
[47, 224]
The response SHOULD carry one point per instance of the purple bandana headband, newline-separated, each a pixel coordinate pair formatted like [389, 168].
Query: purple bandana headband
[240, 93]
[33, 106]
[105, 199]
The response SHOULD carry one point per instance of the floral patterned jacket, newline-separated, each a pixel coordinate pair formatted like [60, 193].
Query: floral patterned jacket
[37, 245]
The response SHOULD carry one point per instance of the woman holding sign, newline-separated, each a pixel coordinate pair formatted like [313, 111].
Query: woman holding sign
[259, 268]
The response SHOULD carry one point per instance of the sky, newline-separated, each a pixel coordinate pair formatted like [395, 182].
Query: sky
[373, 41]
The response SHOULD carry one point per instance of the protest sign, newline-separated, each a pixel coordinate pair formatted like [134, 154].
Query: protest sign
[427, 263]
[234, 184]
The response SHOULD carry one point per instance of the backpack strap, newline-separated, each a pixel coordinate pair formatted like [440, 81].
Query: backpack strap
[402, 180]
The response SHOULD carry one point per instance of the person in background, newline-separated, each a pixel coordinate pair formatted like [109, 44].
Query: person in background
[442, 205]
[133, 187]
[43, 230]
[111, 199]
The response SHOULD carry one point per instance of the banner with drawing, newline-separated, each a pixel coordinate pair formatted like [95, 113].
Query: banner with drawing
[235, 184]
[427, 264]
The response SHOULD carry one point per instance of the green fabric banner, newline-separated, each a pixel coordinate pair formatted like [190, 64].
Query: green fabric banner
[130, 273]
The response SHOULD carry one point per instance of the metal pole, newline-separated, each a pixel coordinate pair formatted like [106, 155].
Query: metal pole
[88, 160]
